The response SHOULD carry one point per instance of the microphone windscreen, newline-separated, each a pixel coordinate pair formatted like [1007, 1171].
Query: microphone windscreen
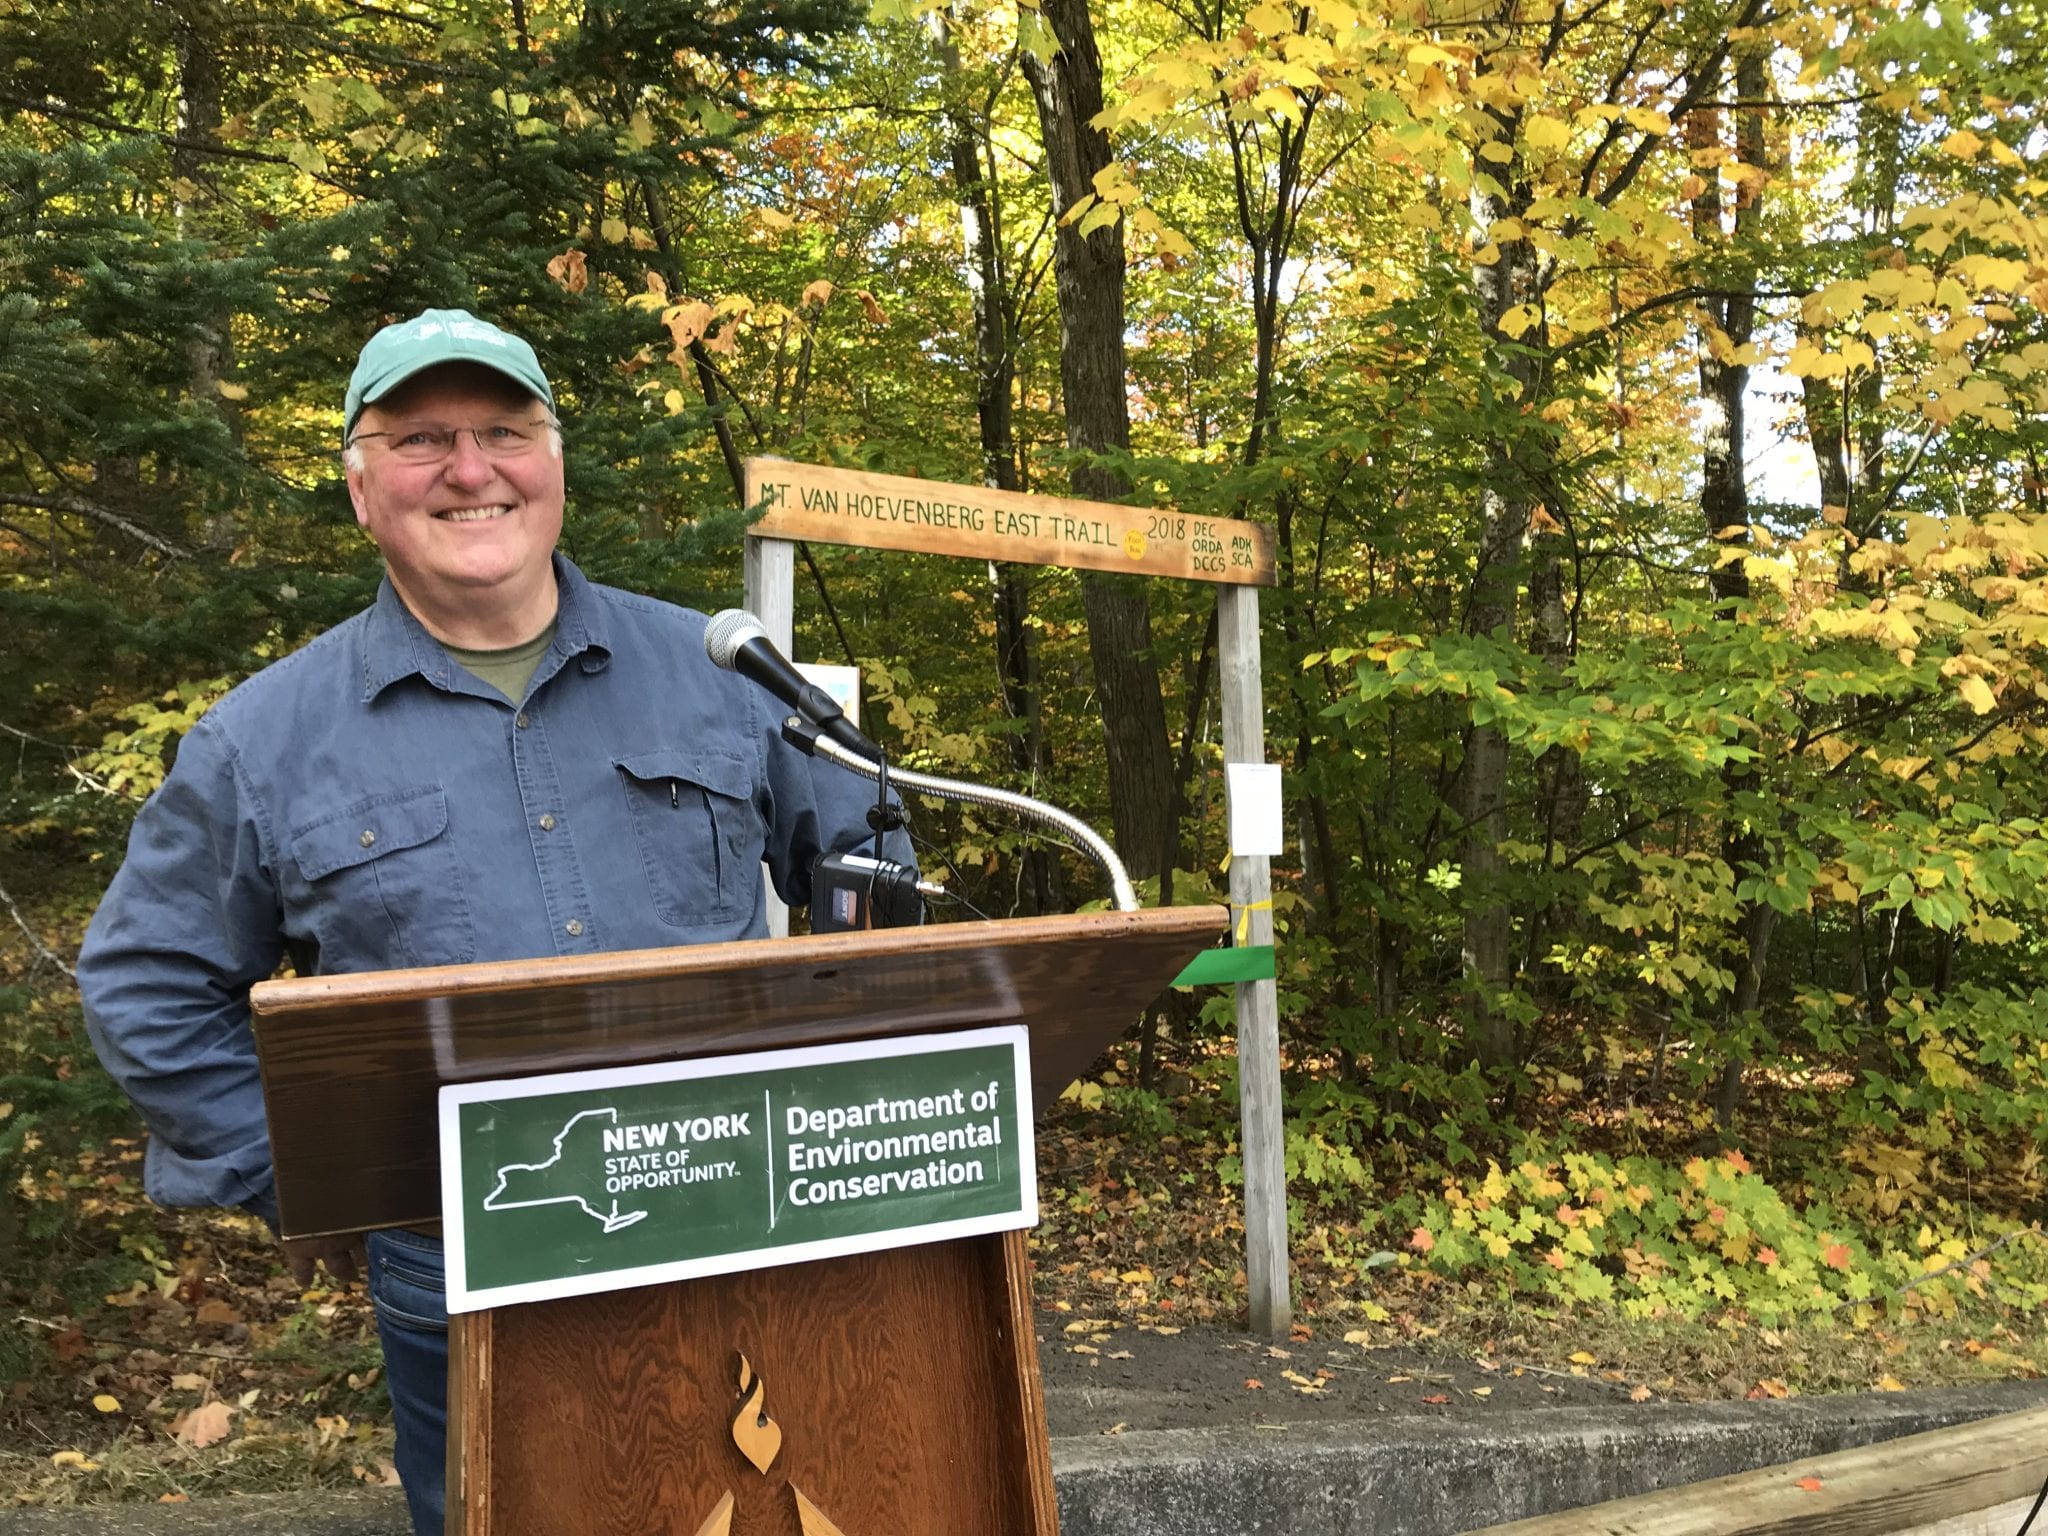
[727, 632]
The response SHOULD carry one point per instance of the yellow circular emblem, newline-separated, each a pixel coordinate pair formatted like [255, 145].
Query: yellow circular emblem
[1134, 543]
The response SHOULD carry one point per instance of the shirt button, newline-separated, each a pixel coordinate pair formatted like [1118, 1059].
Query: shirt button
[520, 720]
[574, 927]
[547, 822]
[367, 838]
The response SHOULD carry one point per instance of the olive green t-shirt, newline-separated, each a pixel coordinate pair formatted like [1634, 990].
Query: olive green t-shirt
[509, 670]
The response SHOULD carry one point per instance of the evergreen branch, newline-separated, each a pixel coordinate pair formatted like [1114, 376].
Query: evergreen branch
[58, 110]
[43, 951]
[99, 514]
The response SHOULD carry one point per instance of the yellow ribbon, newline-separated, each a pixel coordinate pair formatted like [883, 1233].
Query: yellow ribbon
[1244, 922]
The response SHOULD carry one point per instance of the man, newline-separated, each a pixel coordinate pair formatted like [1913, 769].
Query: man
[497, 760]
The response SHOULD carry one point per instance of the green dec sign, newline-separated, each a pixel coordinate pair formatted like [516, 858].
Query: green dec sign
[594, 1181]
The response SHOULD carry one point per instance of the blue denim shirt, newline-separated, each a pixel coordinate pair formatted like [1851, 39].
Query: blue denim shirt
[367, 804]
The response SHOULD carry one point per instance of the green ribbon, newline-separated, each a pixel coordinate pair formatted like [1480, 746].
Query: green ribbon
[1242, 962]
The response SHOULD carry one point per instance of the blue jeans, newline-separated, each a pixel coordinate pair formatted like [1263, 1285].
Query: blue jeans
[408, 1288]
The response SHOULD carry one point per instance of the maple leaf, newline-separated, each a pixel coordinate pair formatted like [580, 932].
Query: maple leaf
[1421, 1241]
[1735, 1160]
[1253, 1384]
[1835, 1256]
[1767, 1256]
[1809, 1484]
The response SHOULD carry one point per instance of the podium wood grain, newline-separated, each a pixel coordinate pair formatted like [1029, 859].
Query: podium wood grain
[352, 1064]
[904, 1385]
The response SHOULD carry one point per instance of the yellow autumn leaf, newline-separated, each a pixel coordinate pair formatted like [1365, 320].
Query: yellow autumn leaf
[232, 391]
[77, 1460]
[1580, 1357]
[106, 1402]
[1977, 694]
[1541, 132]
[613, 229]
[775, 218]
[673, 401]
[1518, 320]
[1963, 144]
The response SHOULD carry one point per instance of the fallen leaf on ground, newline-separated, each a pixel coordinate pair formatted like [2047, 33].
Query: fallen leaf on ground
[1810, 1484]
[1890, 1384]
[1437, 1397]
[1639, 1395]
[1580, 1357]
[205, 1425]
[106, 1402]
[1253, 1384]
[77, 1460]
[1482, 1391]
[188, 1381]
[1358, 1336]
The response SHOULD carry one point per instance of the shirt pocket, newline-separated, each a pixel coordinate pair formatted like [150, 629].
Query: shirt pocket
[386, 887]
[693, 816]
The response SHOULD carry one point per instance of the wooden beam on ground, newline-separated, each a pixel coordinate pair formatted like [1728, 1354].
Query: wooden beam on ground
[1961, 1475]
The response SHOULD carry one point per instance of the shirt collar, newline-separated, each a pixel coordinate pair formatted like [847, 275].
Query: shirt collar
[398, 646]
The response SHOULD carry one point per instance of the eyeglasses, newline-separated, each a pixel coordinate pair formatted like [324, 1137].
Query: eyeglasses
[430, 445]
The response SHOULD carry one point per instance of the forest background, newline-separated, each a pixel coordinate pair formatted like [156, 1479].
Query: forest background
[1647, 400]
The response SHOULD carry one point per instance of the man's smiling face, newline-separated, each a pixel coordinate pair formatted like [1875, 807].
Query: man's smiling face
[468, 538]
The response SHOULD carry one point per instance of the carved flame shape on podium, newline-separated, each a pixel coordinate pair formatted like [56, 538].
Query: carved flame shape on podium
[758, 1436]
[759, 1439]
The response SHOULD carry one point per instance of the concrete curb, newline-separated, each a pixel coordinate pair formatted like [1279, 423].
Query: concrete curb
[1389, 1476]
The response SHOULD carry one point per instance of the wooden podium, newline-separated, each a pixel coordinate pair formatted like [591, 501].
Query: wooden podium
[880, 1394]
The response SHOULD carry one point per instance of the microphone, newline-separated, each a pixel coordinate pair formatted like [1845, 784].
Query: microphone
[738, 642]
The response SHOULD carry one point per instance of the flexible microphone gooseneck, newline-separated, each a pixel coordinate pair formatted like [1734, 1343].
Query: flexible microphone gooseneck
[738, 642]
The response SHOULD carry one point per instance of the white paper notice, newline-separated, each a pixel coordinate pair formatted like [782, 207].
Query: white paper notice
[1254, 790]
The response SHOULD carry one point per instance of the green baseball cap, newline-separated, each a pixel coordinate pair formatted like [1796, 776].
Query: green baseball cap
[430, 338]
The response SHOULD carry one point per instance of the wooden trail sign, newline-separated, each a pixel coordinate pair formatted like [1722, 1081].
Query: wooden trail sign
[846, 506]
[849, 506]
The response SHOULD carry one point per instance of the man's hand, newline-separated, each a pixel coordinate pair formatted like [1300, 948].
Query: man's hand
[344, 1257]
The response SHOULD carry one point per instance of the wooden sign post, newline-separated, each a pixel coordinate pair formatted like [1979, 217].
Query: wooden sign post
[817, 504]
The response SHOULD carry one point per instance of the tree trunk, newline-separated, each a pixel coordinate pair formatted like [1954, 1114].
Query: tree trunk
[1491, 609]
[1725, 514]
[1090, 275]
[983, 268]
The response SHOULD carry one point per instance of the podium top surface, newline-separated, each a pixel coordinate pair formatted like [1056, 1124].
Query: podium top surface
[352, 1064]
